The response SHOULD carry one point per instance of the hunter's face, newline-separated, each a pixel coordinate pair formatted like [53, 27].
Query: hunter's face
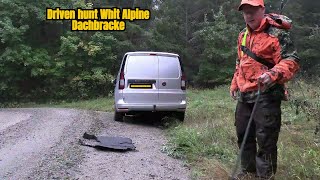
[253, 15]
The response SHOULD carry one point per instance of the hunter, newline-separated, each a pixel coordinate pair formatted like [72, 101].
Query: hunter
[266, 56]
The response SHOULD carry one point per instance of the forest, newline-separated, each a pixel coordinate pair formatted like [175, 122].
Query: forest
[44, 60]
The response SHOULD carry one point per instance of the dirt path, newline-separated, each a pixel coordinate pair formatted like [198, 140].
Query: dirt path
[43, 144]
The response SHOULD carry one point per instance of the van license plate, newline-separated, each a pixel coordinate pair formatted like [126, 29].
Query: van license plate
[141, 86]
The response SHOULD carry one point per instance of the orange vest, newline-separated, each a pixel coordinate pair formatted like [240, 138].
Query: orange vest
[269, 44]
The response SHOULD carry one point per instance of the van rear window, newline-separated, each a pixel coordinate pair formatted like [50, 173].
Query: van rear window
[142, 67]
[169, 67]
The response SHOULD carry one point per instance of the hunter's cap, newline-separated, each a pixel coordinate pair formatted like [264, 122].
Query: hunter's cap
[252, 3]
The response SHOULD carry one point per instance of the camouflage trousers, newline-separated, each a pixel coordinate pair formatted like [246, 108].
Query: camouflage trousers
[260, 150]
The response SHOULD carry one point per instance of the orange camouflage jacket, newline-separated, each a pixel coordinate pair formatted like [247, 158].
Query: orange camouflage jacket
[271, 41]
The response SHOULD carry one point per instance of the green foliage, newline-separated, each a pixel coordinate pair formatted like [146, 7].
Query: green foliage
[217, 63]
[310, 55]
[44, 60]
[89, 60]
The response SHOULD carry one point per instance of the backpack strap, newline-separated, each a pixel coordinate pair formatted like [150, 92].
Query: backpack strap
[247, 51]
[255, 57]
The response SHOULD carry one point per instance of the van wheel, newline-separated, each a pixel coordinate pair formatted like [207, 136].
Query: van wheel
[118, 116]
[180, 116]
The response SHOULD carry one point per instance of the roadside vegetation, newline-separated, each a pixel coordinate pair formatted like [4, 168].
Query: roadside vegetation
[207, 139]
[99, 104]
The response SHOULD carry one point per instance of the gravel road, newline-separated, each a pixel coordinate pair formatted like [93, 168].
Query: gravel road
[43, 144]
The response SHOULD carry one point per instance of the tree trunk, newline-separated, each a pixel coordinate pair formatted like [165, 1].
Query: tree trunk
[186, 25]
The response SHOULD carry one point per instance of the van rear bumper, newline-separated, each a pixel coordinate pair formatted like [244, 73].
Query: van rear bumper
[121, 106]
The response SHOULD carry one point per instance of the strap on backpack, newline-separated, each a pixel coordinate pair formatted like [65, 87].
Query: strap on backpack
[257, 58]
[251, 54]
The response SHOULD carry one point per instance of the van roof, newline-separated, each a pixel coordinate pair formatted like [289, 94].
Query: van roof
[151, 52]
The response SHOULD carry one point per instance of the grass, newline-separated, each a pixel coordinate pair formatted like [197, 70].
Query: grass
[207, 140]
[100, 104]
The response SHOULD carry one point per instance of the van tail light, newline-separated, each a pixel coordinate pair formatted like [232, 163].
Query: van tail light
[183, 82]
[121, 81]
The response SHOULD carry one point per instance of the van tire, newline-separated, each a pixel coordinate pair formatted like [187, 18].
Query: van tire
[118, 116]
[180, 116]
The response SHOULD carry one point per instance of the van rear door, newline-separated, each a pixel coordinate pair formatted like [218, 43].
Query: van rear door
[141, 76]
[170, 80]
